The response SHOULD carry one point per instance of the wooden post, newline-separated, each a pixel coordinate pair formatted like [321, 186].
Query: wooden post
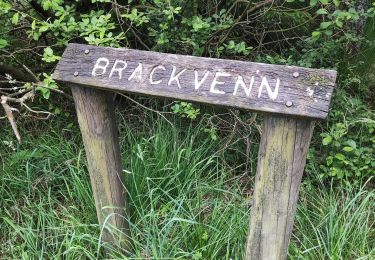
[281, 161]
[99, 132]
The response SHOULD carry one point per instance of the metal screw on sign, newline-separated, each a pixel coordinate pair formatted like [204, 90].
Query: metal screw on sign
[289, 103]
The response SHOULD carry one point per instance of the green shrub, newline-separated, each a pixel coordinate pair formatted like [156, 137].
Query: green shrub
[312, 33]
[347, 151]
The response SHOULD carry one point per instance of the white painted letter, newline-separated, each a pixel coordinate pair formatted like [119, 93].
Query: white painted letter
[197, 82]
[119, 70]
[241, 82]
[152, 73]
[175, 77]
[216, 82]
[98, 66]
[271, 94]
[137, 70]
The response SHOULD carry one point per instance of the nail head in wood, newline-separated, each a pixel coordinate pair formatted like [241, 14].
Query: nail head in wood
[87, 51]
[289, 103]
[296, 74]
[76, 73]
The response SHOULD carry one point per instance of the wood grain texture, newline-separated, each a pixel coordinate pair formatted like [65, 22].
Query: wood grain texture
[99, 132]
[302, 92]
[281, 161]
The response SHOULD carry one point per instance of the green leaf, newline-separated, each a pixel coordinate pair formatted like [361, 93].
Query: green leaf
[48, 55]
[3, 43]
[43, 28]
[327, 140]
[45, 92]
[322, 11]
[340, 156]
[316, 34]
[313, 2]
[328, 32]
[57, 111]
[329, 160]
[4, 6]
[48, 51]
[199, 24]
[351, 143]
[15, 18]
[324, 2]
[36, 36]
[325, 25]
[339, 23]
[348, 149]
[340, 174]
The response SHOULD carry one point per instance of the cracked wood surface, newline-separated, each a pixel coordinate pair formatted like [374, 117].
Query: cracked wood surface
[301, 92]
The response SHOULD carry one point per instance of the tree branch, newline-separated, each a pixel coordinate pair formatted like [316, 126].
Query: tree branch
[16, 73]
[9, 115]
[39, 9]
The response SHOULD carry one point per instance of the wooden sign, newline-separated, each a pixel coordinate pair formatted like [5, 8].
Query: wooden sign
[255, 86]
[276, 90]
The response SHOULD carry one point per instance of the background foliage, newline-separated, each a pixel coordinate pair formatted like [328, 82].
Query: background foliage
[310, 33]
[306, 33]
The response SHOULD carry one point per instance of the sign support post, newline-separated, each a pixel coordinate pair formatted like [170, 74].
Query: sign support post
[96, 119]
[290, 97]
[281, 161]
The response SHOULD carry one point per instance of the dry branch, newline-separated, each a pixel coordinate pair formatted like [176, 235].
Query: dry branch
[10, 117]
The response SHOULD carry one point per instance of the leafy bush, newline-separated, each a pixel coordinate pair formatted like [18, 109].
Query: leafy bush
[348, 146]
[314, 33]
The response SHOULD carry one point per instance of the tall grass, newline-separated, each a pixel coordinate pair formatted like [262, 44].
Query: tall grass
[187, 200]
[334, 224]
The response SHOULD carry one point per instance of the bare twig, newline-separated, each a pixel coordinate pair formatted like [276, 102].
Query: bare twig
[48, 114]
[248, 10]
[22, 99]
[22, 89]
[34, 78]
[139, 39]
[10, 117]
[147, 108]
[242, 16]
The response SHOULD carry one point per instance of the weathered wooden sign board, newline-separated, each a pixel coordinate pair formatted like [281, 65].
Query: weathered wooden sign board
[291, 97]
[260, 87]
